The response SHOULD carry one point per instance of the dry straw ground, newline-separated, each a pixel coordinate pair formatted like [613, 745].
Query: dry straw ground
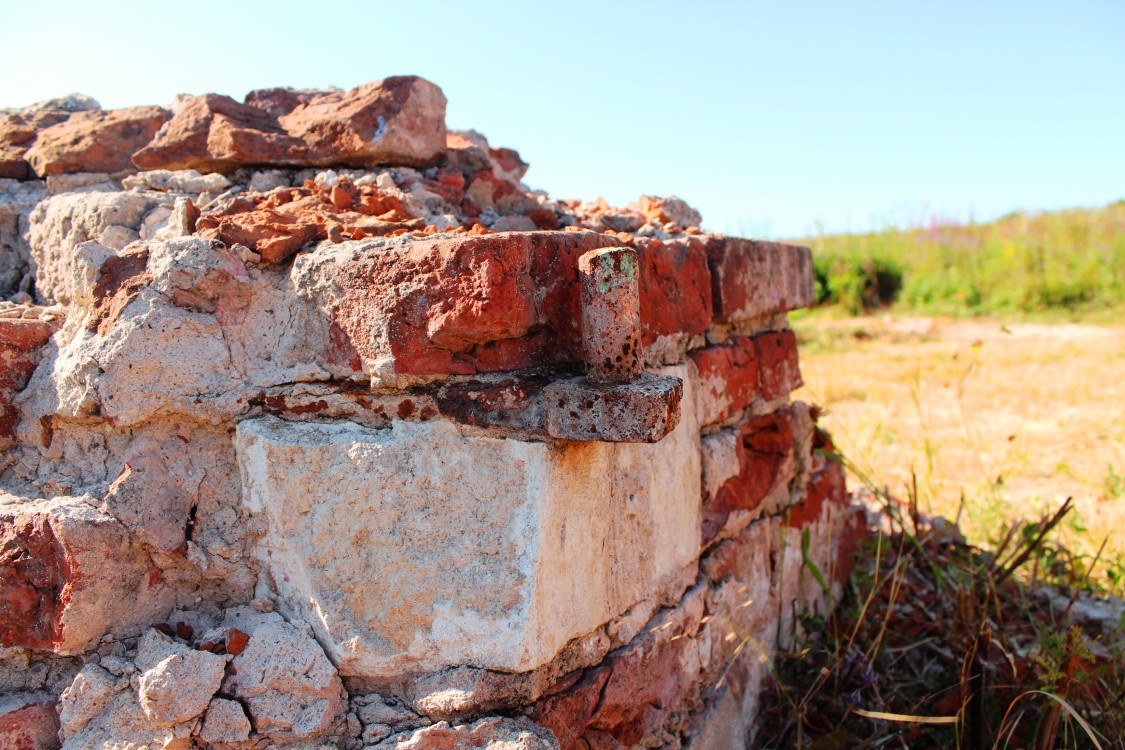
[1014, 418]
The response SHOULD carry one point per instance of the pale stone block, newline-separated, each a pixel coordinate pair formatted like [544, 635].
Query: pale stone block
[720, 459]
[416, 548]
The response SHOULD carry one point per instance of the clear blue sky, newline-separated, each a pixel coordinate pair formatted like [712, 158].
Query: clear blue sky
[767, 116]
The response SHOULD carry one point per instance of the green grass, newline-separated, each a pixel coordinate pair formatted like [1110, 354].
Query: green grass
[1054, 265]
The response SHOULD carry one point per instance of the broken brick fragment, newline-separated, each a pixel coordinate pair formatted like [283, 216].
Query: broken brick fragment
[36, 572]
[236, 641]
[21, 343]
[95, 141]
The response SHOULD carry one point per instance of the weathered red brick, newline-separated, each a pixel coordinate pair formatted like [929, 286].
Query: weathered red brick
[669, 210]
[31, 725]
[751, 278]
[119, 281]
[744, 369]
[625, 699]
[780, 370]
[765, 458]
[652, 675]
[35, 575]
[611, 315]
[675, 288]
[12, 164]
[17, 135]
[398, 120]
[826, 483]
[280, 100]
[467, 305]
[278, 224]
[721, 561]
[567, 711]
[729, 378]
[20, 343]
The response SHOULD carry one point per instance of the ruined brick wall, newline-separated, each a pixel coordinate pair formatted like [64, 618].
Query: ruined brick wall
[321, 430]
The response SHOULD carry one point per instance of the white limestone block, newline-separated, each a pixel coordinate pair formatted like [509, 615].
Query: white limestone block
[416, 548]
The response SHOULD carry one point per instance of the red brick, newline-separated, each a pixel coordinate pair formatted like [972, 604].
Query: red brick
[31, 726]
[752, 278]
[675, 288]
[17, 134]
[721, 561]
[398, 120]
[20, 345]
[780, 371]
[214, 132]
[765, 458]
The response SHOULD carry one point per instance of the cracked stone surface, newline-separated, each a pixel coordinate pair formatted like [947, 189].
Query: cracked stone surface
[319, 428]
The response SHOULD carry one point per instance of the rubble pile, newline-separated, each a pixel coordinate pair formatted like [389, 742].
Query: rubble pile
[322, 430]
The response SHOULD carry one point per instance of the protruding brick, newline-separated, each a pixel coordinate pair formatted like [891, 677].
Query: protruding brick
[642, 411]
[751, 278]
[552, 541]
[611, 315]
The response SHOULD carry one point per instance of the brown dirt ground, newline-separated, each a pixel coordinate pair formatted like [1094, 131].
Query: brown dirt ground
[1016, 417]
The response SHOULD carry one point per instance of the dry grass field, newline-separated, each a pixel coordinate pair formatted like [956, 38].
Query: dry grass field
[1012, 418]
